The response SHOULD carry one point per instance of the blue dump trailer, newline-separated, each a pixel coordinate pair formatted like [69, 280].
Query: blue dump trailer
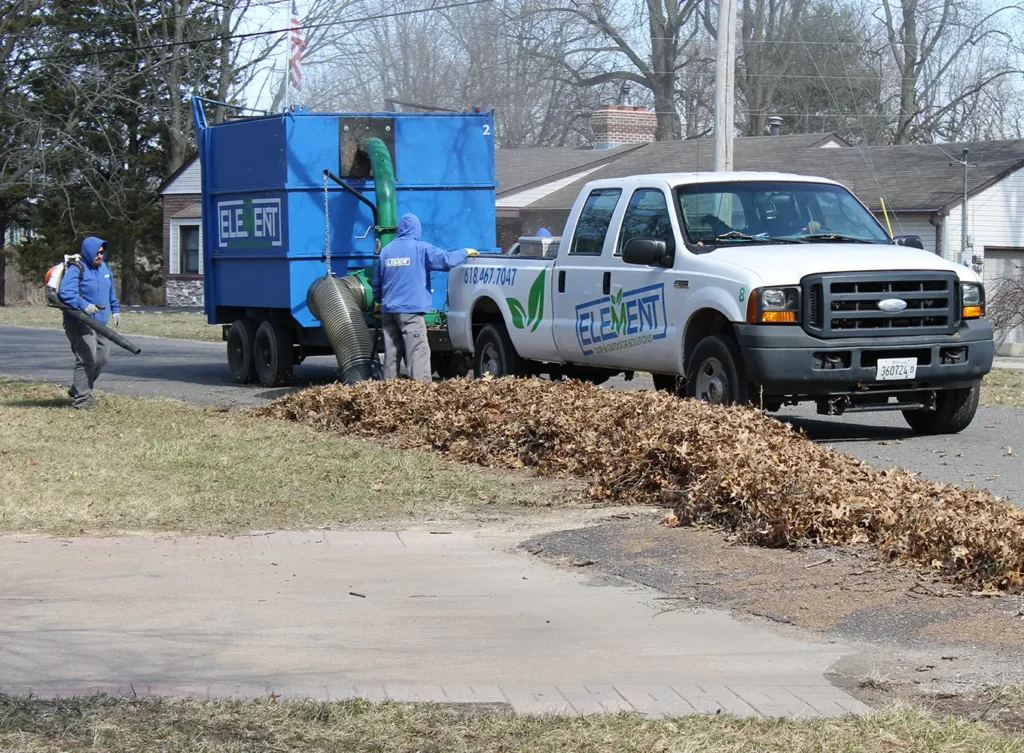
[297, 205]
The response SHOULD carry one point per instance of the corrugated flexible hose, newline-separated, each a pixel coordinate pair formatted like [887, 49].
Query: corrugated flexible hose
[338, 302]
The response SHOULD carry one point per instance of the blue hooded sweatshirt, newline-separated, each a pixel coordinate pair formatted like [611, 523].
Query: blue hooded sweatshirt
[401, 277]
[92, 284]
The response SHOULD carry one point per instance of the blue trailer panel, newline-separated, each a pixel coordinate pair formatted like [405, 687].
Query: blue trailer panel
[263, 201]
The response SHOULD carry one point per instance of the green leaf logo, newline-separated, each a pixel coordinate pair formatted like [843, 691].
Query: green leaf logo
[617, 298]
[537, 301]
[517, 311]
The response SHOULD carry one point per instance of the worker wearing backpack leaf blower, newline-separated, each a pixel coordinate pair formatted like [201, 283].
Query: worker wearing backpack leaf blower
[401, 287]
[89, 287]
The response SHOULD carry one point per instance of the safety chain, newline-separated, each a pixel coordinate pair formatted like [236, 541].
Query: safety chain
[327, 227]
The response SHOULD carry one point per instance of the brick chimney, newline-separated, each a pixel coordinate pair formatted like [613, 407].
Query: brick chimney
[618, 124]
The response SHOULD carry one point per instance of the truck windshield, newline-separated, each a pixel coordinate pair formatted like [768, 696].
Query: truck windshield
[744, 212]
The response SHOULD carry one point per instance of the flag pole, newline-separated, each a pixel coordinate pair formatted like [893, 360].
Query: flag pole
[287, 58]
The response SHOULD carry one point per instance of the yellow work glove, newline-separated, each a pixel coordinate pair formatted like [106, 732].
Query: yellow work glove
[472, 252]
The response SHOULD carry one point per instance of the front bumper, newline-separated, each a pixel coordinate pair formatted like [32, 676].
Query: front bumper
[786, 361]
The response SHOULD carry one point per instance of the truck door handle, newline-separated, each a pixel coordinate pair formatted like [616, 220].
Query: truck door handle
[561, 281]
[606, 285]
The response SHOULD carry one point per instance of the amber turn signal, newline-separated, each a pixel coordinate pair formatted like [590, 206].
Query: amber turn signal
[972, 312]
[778, 317]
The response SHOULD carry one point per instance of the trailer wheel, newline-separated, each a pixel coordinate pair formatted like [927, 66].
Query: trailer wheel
[274, 353]
[714, 373]
[241, 336]
[495, 354]
[954, 411]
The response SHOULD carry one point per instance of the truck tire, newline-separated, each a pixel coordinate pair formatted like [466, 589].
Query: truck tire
[495, 354]
[241, 362]
[715, 372]
[274, 353]
[954, 411]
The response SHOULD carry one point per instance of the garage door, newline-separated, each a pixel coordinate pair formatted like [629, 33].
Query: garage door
[1002, 264]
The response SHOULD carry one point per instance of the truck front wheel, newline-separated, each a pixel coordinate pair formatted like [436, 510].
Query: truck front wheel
[715, 372]
[495, 354]
[241, 335]
[954, 411]
[274, 352]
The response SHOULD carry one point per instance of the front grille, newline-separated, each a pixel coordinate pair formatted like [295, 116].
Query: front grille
[847, 305]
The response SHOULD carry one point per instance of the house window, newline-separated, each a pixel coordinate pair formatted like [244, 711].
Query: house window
[188, 242]
[186, 247]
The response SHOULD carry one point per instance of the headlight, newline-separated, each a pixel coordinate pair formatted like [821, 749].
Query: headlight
[774, 306]
[973, 296]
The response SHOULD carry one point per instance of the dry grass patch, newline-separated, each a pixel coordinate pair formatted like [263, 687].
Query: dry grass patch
[100, 725]
[732, 468]
[158, 465]
[176, 325]
[1003, 387]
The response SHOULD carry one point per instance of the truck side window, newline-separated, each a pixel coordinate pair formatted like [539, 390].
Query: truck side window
[646, 217]
[592, 226]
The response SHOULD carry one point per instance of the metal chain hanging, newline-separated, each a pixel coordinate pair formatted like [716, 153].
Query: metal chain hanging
[327, 228]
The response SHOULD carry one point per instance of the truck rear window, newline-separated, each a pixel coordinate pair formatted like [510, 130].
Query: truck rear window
[592, 226]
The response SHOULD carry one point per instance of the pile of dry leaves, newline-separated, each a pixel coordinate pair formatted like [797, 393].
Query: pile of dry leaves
[729, 467]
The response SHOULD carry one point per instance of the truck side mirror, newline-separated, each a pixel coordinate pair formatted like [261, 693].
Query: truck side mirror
[914, 241]
[648, 252]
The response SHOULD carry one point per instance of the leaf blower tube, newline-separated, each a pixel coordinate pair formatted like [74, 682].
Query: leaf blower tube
[88, 321]
[339, 302]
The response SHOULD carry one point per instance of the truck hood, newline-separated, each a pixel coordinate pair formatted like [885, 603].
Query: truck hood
[789, 263]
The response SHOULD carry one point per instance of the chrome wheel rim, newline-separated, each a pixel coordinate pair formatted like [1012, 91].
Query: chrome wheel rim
[490, 360]
[712, 383]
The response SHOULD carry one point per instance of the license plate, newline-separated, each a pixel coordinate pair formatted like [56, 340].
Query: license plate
[896, 368]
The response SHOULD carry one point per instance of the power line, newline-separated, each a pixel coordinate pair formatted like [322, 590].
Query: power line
[247, 35]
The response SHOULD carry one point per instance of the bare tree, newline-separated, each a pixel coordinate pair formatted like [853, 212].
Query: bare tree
[929, 40]
[651, 60]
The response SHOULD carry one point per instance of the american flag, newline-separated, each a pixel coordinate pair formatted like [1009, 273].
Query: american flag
[298, 39]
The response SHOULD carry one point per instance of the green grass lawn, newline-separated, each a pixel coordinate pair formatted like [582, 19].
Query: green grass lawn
[174, 726]
[177, 325]
[159, 465]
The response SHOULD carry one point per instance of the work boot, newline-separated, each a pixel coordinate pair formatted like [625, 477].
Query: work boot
[89, 404]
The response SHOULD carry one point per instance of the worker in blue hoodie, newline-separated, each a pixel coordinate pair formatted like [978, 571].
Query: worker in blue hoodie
[401, 287]
[89, 287]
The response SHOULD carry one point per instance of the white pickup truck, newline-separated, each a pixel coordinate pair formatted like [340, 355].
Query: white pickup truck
[758, 288]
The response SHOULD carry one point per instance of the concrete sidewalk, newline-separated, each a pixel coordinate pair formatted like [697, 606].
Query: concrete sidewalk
[404, 616]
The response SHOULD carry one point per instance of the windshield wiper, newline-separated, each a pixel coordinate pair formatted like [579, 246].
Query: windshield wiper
[832, 237]
[736, 235]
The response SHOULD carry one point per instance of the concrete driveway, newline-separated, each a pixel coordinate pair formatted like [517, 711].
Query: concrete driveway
[985, 455]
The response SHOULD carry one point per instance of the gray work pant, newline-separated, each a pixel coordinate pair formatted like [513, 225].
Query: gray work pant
[406, 334]
[91, 351]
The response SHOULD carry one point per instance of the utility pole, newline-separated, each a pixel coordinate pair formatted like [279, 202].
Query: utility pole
[963, 209]
[725, 84]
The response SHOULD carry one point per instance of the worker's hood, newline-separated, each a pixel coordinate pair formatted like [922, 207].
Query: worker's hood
[90, 246]
[409, 227]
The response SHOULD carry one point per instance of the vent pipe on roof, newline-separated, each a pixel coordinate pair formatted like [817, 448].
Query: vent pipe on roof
[774, 125]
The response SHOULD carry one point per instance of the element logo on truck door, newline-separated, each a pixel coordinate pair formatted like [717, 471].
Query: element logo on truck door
[535, 313]
[624, 320]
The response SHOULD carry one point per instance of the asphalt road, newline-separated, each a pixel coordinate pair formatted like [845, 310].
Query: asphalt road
[985, 455]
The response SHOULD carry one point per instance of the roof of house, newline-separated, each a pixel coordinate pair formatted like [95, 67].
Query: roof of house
[518, 169]
[910, 178]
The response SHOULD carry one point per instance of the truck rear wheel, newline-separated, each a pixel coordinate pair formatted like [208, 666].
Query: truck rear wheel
[954, 411]
[241, 336]
[715, 372]
[495, 354]
[274, 353]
